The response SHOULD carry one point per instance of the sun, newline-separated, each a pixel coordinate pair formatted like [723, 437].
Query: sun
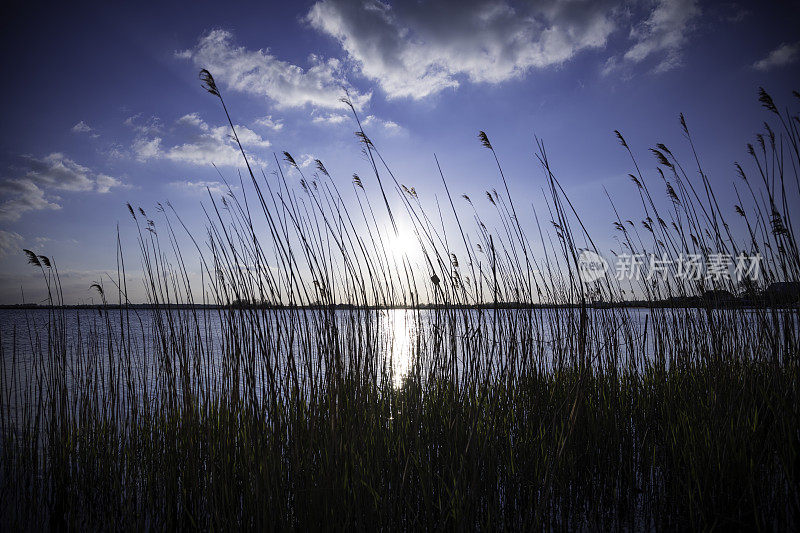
[404, 243]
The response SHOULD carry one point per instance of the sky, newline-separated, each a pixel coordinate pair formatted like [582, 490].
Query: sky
[102, 104]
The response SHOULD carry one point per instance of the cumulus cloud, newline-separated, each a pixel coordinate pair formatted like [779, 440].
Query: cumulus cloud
[664, 33]
[785, 54]
[83, 127]
[259, 73]
[104, 183]
[149, 126]
[10, 242]
[269, 123]
[415, 49]
[205, 144]
[330, 118]
[59, 172]
[55, 172]
[370, 121]
[306, 160]
[201, 186]
[20, 196]
[387, 126]
[145, 149]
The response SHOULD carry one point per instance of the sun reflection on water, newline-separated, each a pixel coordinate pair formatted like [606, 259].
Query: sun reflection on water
[398, 326]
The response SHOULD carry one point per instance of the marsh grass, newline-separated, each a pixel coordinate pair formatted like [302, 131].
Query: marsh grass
[505, 414]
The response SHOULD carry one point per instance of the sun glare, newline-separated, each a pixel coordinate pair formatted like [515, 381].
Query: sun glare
[404, 243]
[397, 326]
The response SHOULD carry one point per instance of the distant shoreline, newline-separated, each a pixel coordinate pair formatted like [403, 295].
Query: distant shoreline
[687, 303]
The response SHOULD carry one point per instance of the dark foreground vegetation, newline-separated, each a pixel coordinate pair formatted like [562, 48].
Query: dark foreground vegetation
[557, 417]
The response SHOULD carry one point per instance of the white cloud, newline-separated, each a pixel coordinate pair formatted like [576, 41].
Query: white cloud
[415, 49]
[610, 65]
[259, 73]
[306, 160]
[10, 242]
[204, 151]
[151, 126]
[58, 172]
[370, 121]
[115, 150]
[40, 242]
[20, 196]
[330, 118]
[269, 123]
[105, 183]
[83, 127]
[205, 144]
[54, 172]
[194, 120]
[785, 54]
[145, 149]
[664, 33]
[201, 186]
[387, 126]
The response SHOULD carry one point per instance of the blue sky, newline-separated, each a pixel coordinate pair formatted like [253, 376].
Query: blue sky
[102, 104]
